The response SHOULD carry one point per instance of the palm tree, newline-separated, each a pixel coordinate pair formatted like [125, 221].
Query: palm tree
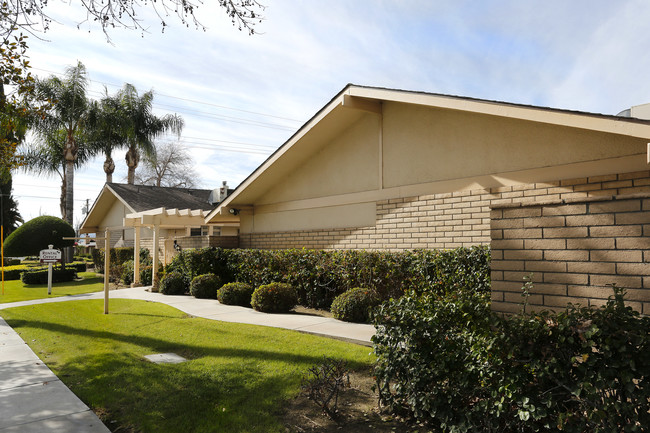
[142, 126]
[108, 127]
[61, 129]
[47, 158]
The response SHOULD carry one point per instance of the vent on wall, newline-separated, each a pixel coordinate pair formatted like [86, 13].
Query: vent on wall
[637, 111]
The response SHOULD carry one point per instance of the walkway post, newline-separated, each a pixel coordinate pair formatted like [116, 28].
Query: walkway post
[107, 264]
[156, 260]
[136, 256]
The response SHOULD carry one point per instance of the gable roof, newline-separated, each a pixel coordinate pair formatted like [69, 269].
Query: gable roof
[145, 197]
[349, 105]
[139, 198]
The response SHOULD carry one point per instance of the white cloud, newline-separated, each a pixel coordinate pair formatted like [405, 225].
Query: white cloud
[588, 55]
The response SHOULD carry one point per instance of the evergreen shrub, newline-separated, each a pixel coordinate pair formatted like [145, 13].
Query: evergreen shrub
[235, 294]
[451, 363]
[37, 234]
[205, 286]
[13, 272]
[274, 298]
[127, 272]
[172, 283]
[355, 305]
[40, 276]
[320, 276]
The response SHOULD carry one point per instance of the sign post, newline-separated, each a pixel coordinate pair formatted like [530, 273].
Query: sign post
[50, 256]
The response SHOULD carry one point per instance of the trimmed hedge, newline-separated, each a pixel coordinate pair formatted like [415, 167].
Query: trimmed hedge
[274, 298]
[235, 294]
[205, 286]
[40, 276]
[36, 234]
[355, 305]
[118, 257]
[13, 272]
[457, 367]
[320, 276]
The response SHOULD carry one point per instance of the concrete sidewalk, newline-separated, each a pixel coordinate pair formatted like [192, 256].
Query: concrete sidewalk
[34, 400]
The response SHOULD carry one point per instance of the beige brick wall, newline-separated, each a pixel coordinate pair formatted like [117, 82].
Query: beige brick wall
[187, 242]
[573, 249]
[446, 220]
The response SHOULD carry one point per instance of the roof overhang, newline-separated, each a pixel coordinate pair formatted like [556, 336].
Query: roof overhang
[97, 212]
[354, 101]
[166, 218]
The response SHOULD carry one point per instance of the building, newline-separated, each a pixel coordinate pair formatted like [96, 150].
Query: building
[142, 216]
[390, 169]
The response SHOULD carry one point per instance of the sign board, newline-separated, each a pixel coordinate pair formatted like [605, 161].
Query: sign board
[50, 256]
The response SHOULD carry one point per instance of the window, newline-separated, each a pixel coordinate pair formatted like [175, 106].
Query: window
[199, 231]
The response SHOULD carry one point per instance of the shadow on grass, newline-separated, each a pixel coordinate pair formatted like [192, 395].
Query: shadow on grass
[156, 345]
[74, 283]
[130, 394]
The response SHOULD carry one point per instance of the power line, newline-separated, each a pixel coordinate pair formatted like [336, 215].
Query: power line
[225, 107]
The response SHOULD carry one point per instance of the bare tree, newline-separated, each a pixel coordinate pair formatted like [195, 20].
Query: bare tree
[170, 165]
[31, 15]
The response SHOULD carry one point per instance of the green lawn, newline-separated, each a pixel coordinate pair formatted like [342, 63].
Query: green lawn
[15, 290]
[236, 379]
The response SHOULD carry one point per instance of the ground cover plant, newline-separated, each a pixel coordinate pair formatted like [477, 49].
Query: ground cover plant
[235, 380]
[16, 290]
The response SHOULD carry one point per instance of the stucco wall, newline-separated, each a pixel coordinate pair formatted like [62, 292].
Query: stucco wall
[412, 151]
[347, 164]
[423, 144]
[572, 251]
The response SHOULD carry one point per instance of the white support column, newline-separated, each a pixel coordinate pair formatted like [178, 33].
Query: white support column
[136, 256]
[154, 253]
[107, 267]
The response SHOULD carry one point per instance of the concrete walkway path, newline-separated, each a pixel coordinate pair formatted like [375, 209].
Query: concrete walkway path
[34, 400]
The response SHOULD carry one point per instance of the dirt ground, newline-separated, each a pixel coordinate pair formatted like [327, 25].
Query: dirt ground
[358, 413]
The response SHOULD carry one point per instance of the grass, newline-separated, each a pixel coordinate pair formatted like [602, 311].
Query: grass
[16, 290]
[236, 379]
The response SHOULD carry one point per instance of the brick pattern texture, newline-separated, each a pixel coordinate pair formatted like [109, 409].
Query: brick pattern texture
[191, 242]
[446, 220]
[573, 249]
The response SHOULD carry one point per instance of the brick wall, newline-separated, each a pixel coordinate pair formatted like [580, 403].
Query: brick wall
[187, 242]
[208, 241]
[445, 220]
[573, 249]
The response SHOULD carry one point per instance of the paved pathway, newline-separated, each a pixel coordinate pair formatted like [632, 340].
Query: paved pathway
[34, 400]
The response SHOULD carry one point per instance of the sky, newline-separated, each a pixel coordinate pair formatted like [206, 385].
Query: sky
[243, 96]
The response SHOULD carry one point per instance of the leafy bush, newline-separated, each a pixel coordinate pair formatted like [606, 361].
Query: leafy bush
[118, 257]
[40, 276]
[205, 286]
[355, 305]
[146, 273]
[127, 272]
[449, 361]
[36, 234]
[320, 276]
[235, 294]
[209, 260]
[274, 298]
[173, 283]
